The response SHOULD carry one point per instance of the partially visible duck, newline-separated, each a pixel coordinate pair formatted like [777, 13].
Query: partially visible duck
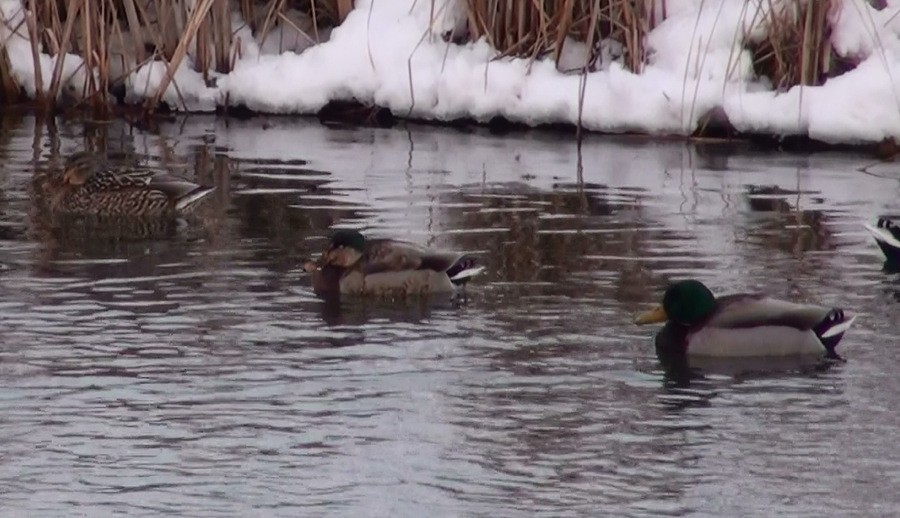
[87, 187]
[354, 265]
[742, 325]
[887, 237]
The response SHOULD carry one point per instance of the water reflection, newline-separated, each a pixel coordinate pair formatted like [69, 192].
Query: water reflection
[786, 226]
[189, 369]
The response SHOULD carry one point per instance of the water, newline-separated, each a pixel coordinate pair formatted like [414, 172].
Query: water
[192, 372]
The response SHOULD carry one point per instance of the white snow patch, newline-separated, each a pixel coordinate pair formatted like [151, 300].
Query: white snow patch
[393, 54]
[15, 40]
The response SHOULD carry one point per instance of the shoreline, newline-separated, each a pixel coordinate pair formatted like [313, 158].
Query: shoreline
[717, 132]
[679, 70]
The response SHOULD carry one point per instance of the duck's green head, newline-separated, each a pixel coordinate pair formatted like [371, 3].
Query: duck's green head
[348, 239]
[345, 248]
[685, 302]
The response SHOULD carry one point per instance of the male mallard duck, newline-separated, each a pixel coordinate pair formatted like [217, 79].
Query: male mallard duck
[887, 237]
[87, 188]
[354, 265]
[702, 324]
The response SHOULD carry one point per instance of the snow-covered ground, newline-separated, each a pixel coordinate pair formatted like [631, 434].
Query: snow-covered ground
[391, 53]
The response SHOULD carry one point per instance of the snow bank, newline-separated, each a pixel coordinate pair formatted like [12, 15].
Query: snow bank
[391, 54]
[14, 38]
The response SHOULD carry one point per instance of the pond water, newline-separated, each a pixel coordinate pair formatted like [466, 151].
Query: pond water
[191, 371]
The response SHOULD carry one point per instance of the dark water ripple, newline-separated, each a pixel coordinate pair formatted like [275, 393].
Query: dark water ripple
[190, 371]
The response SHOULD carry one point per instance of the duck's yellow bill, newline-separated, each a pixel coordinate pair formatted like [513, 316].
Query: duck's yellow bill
[654, 316]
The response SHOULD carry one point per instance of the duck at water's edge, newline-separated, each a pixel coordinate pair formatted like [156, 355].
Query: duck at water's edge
[742, 325]
[887, 237]
[354, 265]
[87, 187]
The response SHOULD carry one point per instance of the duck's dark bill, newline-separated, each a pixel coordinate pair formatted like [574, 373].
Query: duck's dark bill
[656, 315]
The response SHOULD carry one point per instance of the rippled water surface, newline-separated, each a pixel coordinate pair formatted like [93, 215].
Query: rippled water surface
[191, 371]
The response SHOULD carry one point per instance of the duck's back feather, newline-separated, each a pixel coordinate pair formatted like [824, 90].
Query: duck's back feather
[756, 310]
[136, 192]
[388, 255]
[172, 186]
[383, 255]
[759, 325]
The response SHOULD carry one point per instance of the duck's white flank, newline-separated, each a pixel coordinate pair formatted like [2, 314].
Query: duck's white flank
[839, 328]
[468, 273]
[193, 197]
[757, 341]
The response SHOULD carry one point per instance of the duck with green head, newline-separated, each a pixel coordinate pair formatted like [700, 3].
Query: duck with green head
[701, 324]
[354, 265]
[87, 187]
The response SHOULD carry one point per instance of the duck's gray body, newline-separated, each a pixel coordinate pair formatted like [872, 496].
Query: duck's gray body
[397, 268]
[745, 325]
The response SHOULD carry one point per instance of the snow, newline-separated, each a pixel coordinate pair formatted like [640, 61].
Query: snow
[188, 90]
[392, 54]
[14, 38]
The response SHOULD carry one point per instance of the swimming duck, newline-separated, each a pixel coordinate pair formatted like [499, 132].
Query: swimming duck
[87, 188]
[887, 237]
[743, 325]
[354, 265]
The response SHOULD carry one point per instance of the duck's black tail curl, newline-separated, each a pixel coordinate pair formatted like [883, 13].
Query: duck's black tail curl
[462, 271]
[887, 237]
[832, 328]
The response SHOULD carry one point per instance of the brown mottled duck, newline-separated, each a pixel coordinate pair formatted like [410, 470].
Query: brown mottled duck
[86, 187]
[354, 265]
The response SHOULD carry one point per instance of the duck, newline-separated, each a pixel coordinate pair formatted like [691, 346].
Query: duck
[887, 236]
[351, 264]
[87, 187]
[699, 324]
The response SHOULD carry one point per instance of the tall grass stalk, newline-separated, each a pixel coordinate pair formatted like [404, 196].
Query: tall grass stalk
[797, 49]
[114, 37]
[536, 28]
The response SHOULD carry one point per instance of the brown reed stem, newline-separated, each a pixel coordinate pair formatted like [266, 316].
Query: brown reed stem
[72, 12]
[31, 24]
[201, 8]
[343, 9]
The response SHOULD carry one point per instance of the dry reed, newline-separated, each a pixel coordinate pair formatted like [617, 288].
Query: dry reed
[114, 37]
[797, 49]
[539, 28]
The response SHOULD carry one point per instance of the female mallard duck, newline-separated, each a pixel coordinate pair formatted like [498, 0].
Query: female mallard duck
[887, 237]
[702, 324]
[354, 265]
[87, 188]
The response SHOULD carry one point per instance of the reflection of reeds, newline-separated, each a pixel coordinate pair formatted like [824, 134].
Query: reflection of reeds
[788, 227]
[546, 233]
